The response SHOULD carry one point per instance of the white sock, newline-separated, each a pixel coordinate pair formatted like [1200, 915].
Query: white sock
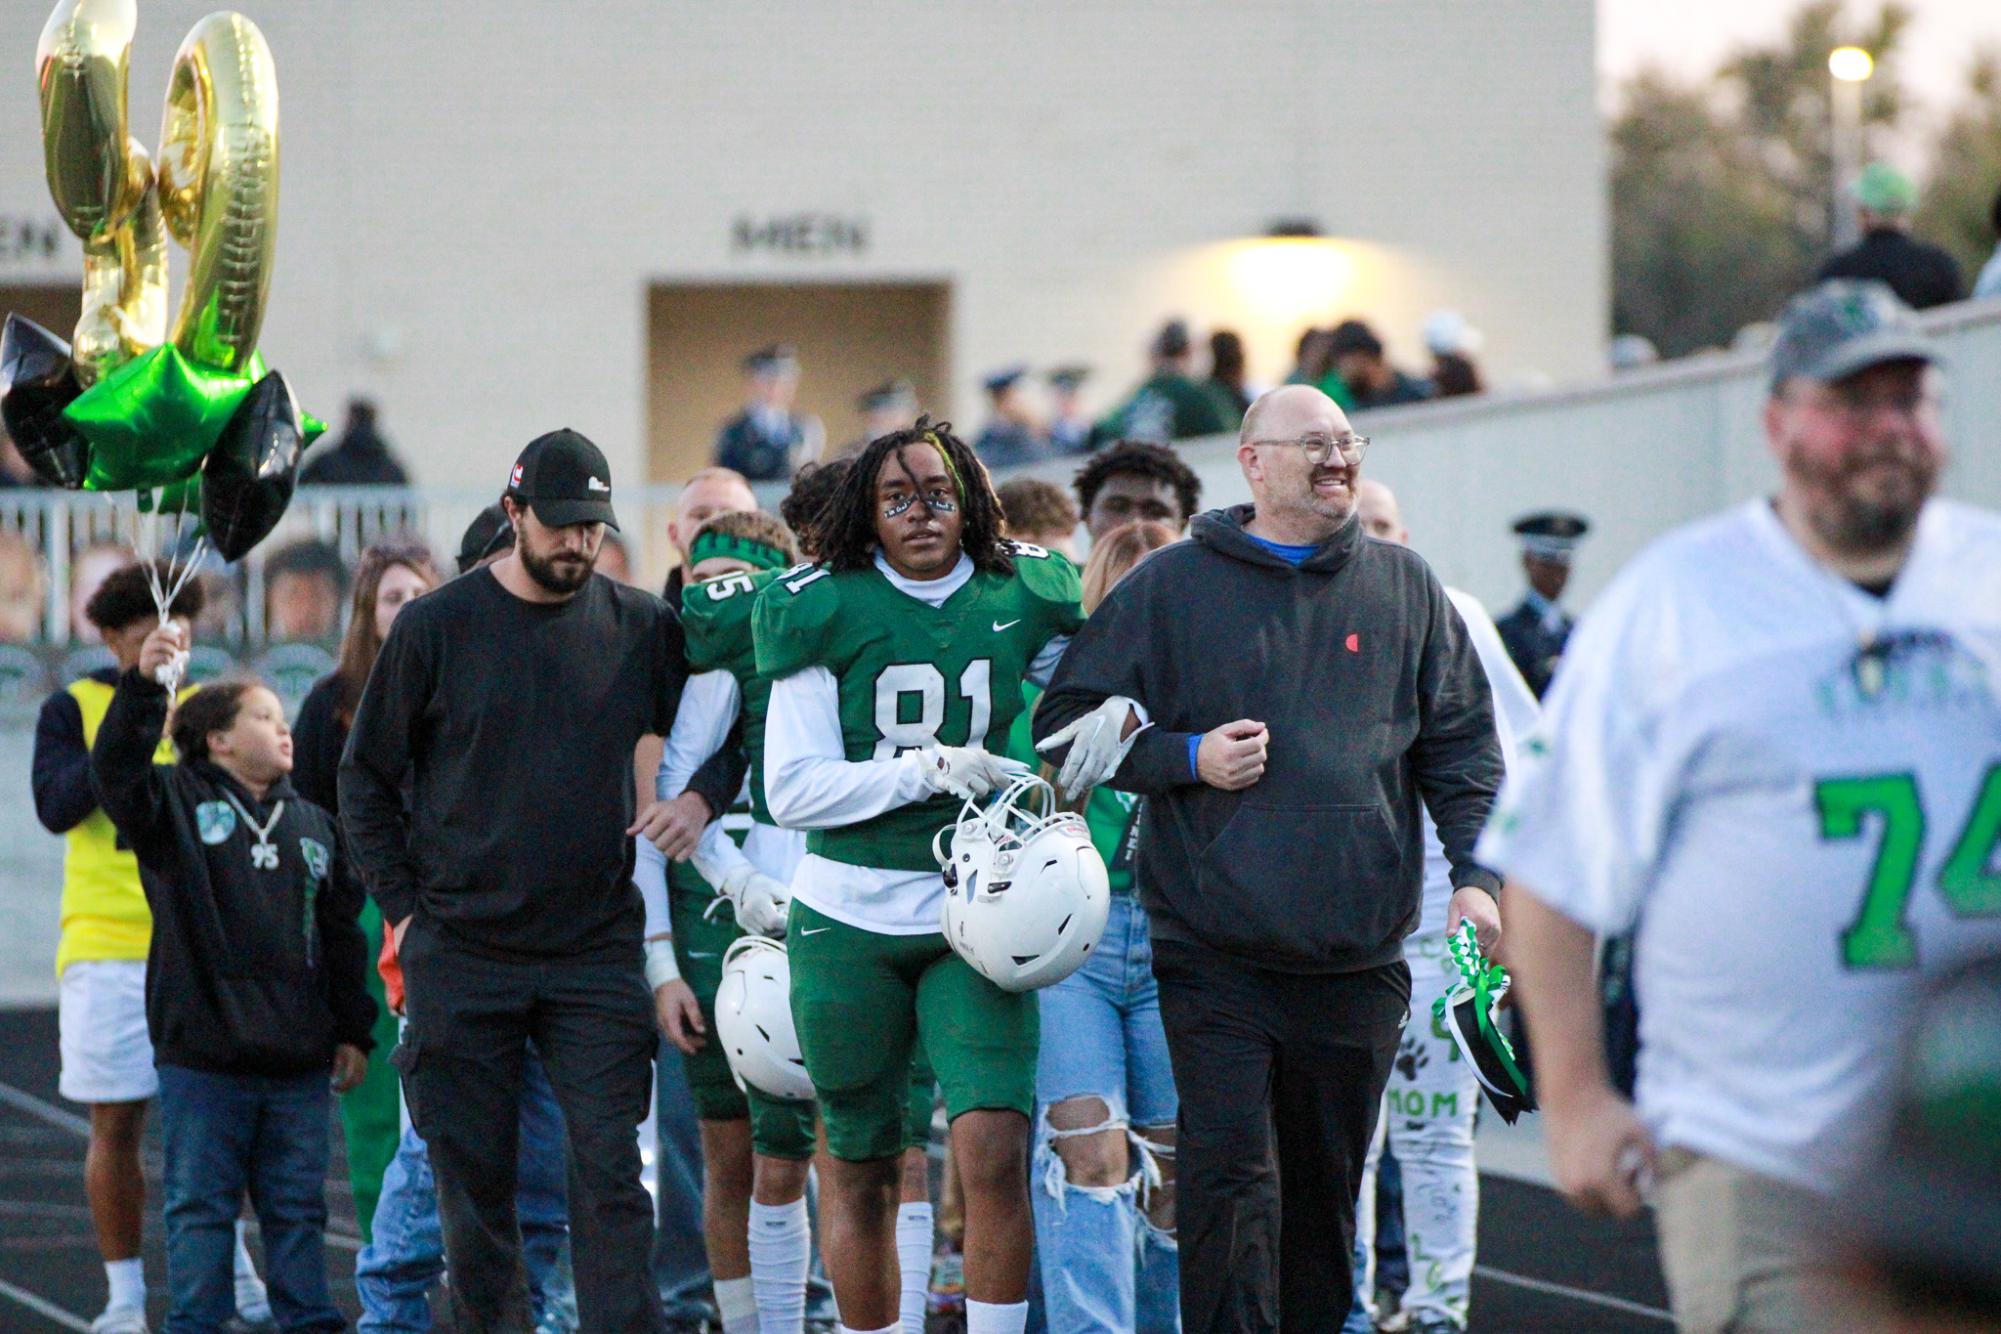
[781, 1247]
[128, 1284]
[996, 1317]
[913, 1258]
[245, 1266]
[737, 1305]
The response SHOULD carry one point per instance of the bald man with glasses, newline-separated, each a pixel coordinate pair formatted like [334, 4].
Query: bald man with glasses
[1281, 858]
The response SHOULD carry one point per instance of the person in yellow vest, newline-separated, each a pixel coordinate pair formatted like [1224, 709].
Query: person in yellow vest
[107, 1058]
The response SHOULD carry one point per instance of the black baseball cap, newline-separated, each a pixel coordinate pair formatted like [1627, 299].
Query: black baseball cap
[488, 532]
[564, 479]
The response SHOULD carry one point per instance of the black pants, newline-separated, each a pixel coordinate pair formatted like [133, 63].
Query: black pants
[471, 1018]
[1280, 1076]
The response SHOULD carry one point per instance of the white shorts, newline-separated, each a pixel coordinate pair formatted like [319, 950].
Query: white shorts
[107, 1053]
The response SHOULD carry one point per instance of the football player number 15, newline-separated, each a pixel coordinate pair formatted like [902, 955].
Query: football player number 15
[1881, 935]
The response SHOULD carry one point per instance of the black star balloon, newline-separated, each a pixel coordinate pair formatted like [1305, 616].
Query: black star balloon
[36, 384]
[248, 479]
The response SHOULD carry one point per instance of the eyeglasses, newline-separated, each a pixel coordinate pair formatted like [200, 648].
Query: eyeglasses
[1857, 406]
[938, 500]
[1320, 448]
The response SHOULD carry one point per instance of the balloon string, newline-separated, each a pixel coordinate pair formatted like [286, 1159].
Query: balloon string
[188, 571]
[177, 573]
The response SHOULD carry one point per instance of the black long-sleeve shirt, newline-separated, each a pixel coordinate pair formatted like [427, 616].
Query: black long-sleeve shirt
[1921, 275]
[252, 970]
[64, 797]
[1363, 672]
[318, 738]
[517, 722]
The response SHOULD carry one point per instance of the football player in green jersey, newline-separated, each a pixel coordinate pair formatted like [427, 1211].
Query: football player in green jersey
[755, 1148]
[896, 670]
[755, 1169]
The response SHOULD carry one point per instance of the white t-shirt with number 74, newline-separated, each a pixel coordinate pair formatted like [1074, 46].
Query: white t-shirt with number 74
[1802, 829]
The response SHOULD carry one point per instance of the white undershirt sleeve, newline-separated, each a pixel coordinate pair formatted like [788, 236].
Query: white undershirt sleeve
[649, 873]
[709, 706]
[718, 854]
[1043, 666]
[809, 783]
[1515, 707]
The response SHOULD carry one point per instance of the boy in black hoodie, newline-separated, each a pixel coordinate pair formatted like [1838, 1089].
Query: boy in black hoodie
[254, 985]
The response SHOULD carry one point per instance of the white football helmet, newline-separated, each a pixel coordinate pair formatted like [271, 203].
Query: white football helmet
[1026, 895]
[754, 1020]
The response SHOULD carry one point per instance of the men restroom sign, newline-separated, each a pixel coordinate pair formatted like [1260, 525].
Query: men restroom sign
[799, 234]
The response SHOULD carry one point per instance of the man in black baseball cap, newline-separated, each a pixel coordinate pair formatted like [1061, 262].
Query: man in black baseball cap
[513, 697]
[564, 483]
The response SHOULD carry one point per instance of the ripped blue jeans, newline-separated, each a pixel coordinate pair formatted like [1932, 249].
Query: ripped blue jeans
[1103, 1264]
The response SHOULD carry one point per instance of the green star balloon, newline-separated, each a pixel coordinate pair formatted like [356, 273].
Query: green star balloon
[154, 419]
[183, 497]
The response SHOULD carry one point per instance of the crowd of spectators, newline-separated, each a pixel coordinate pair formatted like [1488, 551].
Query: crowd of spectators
[1191, 388]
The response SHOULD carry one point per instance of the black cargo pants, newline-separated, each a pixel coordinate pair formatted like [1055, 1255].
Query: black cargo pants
[470, 1020]
[1281, 1076]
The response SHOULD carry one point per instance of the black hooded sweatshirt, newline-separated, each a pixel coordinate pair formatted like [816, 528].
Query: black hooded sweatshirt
[252, 970]
[1361, 670]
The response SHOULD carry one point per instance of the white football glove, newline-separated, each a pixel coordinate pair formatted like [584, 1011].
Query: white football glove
[761, 902]
[966, 771]
[1096, 747]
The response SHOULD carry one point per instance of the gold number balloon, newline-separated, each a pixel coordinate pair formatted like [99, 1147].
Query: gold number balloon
[215, 187]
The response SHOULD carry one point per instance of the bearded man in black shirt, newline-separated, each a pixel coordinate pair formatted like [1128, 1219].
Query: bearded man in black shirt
[513, 697]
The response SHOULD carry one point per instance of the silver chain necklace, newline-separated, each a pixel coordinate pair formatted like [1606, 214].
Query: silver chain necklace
[263, 853]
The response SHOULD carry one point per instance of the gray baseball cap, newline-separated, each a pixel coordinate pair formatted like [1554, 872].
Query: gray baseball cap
[1842, 327]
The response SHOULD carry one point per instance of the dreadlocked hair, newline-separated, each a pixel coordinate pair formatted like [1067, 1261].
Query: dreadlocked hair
[804, 505]
[847, 525]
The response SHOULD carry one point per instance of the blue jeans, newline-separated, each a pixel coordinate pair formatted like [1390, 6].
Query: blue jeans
[394, 1272]
[225, 1134]
[1103, 1264]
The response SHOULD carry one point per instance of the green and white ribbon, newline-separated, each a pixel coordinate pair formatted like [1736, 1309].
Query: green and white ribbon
[1485, 982]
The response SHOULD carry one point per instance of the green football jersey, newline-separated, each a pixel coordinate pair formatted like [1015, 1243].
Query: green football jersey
[913, 675]
[715, 617]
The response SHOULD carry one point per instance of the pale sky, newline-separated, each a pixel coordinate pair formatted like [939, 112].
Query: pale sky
[1691, 36]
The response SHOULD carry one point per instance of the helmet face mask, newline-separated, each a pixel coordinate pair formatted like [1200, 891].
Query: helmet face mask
[1026, 893]
[754, 1020]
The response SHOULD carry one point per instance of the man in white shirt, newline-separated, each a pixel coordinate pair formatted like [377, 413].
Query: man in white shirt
[1776, 749]
[1429, 1107]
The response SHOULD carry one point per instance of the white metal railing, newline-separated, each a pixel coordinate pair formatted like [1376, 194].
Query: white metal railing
[56, 526]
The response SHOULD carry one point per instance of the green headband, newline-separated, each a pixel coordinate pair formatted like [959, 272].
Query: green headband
[710, 542]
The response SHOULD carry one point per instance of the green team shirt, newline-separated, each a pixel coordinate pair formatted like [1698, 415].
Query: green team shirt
[715, 617]
[913, 675]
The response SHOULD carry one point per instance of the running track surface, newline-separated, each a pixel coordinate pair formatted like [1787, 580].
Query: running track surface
[1543, 1269]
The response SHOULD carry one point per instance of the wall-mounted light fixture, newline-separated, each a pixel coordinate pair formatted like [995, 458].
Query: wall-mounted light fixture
[1294, 229]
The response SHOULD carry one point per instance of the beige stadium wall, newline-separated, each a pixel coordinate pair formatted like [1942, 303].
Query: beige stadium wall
[1640, 454]
[479, 196]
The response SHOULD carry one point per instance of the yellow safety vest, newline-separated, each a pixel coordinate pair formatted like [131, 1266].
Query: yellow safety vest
[104, 912]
